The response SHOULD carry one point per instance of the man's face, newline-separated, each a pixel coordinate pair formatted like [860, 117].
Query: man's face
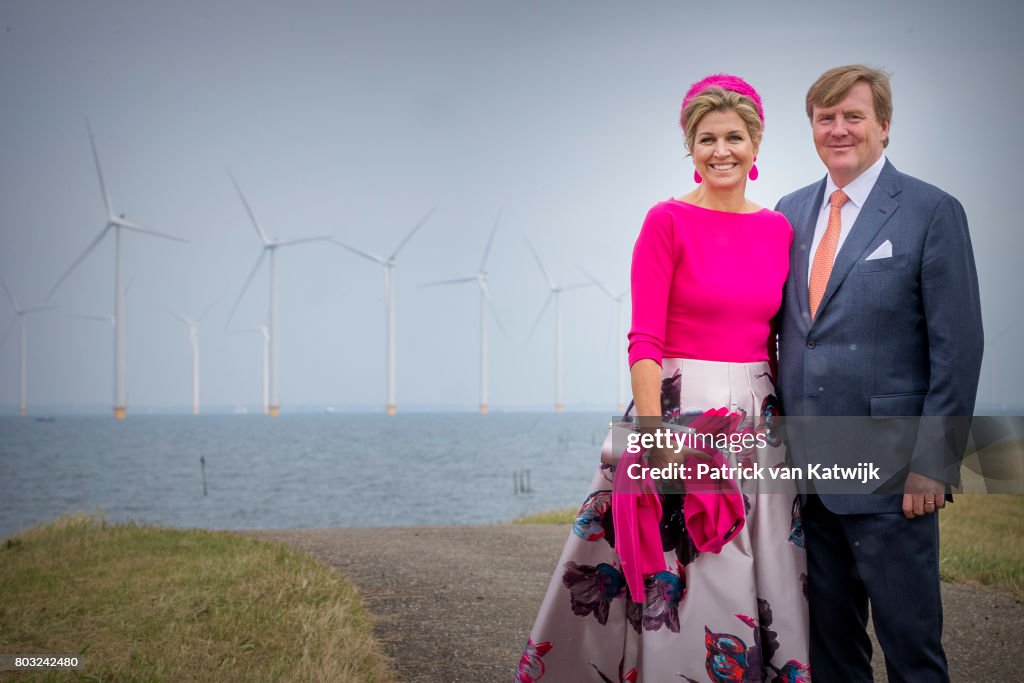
[849, 136]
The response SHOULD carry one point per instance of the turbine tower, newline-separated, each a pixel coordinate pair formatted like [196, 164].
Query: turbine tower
[620, 336]
[20, 315]
[117, 223]
[269, 246]
[193, 340]
[485, 300]
[555, 294]
[262, 329]
[389, 302]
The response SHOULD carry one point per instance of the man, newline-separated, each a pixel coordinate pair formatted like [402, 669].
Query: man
[880, 317]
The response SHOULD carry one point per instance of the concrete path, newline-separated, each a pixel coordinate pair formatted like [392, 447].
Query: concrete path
[455, 604]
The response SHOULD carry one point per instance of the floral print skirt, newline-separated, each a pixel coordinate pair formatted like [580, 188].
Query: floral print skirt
[738, 615]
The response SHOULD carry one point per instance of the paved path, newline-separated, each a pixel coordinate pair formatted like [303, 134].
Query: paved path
[456, 604]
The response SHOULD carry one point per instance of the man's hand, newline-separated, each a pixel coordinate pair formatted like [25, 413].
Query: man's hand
[922, 495]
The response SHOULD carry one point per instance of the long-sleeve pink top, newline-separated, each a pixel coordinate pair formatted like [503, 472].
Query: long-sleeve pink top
[706, 283]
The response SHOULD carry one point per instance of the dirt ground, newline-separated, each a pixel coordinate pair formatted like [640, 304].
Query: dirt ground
[456, 603]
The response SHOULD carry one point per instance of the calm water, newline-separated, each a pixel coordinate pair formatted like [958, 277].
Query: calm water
[295, 471]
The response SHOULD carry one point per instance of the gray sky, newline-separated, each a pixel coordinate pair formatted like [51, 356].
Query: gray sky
[354, 118]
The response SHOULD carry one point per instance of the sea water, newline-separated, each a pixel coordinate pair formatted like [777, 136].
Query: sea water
[340, 470]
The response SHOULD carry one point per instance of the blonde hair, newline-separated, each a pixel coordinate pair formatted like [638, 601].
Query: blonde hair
[719, 99]
[835, 84]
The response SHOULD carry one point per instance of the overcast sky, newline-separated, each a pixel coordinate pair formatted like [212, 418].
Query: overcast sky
[355, 118]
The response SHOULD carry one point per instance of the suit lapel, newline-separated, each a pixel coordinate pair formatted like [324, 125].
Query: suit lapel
[881, 204]
[803, 239]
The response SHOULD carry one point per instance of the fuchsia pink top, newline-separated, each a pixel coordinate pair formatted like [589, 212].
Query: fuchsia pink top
[705, 286]
[706, 283]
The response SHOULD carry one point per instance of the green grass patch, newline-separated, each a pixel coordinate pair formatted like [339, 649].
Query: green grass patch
[982, 539]
[148, 603]
[563, 516]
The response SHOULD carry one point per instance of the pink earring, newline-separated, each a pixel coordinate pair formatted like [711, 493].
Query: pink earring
[696, 177]
[753, 171]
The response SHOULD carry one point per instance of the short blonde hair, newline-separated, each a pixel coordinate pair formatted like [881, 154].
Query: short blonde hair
[719, 99]
[835, 84]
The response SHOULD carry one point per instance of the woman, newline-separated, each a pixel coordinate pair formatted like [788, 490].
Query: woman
[707, 277]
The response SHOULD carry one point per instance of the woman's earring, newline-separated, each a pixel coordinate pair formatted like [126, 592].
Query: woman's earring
[753, 171]
[696, 177]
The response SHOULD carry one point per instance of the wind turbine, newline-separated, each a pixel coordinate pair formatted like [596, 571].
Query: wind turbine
[620, 335]
[269, 246]
[193, 340]
[555, 294]
[115, 222]
[20, 315]
[262, 329]
[389, 302]
[485, 299]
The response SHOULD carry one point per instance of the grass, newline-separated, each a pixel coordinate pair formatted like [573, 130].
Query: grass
[563, 516]
[148, 603]
[982, 540]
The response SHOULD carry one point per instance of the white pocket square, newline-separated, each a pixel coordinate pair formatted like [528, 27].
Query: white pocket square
[884, 251]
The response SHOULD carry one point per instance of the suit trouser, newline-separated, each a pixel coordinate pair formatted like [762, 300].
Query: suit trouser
[891, 562]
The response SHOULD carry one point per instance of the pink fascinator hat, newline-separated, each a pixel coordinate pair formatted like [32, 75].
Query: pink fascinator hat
[726, 82]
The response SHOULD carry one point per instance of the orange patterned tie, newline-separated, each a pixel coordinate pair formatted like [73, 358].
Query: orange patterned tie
[826, 253]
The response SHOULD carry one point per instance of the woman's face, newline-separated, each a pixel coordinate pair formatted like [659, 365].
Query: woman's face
[722, 150]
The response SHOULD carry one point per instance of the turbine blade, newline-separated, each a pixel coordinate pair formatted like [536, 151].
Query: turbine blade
[252, 216]
[497, 319]
[412, 232]
[490, 304]
[92, 245]
[599, 284]
[207, 311]
[147, 231]
[14, 302]
[539, 263]
[360, 253]
[8, 332]
[252, 274]
[540, 315]
[37, 309]
[490, 240]
[300, 240]
[103, 318]
[125, 223]
[1003, 331]
[179, 316]
[450, 282]
[99, 171]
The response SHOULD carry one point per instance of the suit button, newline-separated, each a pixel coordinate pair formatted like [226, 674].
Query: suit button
[811, 344]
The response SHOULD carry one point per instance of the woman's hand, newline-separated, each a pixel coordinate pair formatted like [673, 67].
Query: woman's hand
[646, 380]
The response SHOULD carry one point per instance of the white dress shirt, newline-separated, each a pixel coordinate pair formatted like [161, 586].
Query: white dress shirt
[857, 192]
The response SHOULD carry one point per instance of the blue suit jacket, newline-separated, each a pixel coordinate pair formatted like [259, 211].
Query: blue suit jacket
[897, 336]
